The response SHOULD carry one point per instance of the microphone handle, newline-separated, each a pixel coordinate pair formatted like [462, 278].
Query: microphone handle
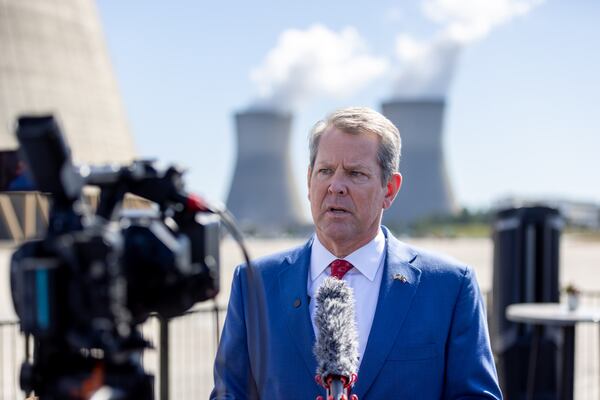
[336, 390]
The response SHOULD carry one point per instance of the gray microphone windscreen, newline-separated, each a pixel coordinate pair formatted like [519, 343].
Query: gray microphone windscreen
[336, 348]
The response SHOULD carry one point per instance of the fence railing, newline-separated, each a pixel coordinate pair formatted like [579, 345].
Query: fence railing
[185, 348]
[12, 353]
[181, 359]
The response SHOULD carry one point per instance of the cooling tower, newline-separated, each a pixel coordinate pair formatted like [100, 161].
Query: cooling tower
[425, 189]
[53, 59]
[263, 195]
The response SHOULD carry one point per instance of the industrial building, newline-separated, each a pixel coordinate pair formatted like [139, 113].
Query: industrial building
[263, 195]
[54, 60]
[426, 189]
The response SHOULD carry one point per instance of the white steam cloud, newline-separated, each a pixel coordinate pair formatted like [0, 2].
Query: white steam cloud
[314, 62]
[427, 67]
[468, 20]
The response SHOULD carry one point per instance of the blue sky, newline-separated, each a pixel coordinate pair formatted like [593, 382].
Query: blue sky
[523, 105]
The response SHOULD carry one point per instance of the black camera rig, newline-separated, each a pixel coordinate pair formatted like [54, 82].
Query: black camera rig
[83, 289]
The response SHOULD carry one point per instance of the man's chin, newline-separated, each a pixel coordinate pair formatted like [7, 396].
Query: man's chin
[338, 231]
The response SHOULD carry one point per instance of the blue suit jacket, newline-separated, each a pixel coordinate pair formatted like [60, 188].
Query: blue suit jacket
[429, 337]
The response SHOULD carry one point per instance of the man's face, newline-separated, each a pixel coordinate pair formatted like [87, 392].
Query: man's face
[345, 190]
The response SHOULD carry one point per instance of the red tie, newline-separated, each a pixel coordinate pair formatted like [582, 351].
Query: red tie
[339, 268]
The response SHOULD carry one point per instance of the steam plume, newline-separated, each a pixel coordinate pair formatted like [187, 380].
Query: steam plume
[427, 66]
[314, 62]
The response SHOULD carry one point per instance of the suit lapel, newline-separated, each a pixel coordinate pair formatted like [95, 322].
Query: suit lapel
[292, 288]
[395, 297]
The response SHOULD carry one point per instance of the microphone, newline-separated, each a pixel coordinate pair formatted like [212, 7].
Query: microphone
[336, 348]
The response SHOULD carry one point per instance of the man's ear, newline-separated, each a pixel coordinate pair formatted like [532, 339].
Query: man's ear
[308, 180]
[392, 188]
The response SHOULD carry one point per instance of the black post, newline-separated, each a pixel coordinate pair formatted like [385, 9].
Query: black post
[567, 363]
[163, 374]
[27, 347]
[533, 359]
[526, 270]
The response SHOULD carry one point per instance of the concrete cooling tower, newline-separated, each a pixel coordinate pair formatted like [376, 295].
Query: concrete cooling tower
[53, 59]
[426, 189]
[263, 195]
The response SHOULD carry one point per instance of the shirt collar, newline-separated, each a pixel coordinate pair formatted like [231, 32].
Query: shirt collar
[365, 259]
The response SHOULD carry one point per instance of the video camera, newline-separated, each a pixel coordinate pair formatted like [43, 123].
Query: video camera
[83, 289]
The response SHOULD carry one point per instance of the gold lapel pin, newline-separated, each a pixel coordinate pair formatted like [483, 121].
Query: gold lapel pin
[400, 277]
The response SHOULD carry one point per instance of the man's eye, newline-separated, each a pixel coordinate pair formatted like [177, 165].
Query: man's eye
[325, 171]
[356, 173]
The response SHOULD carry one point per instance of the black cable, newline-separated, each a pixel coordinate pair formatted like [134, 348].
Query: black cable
[256, 298]
[229, 222]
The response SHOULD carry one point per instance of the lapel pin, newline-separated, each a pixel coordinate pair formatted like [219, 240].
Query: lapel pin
[401, 278]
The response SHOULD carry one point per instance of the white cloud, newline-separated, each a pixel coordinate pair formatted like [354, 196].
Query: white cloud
[315, 62]
[427, 66]
[468, 20]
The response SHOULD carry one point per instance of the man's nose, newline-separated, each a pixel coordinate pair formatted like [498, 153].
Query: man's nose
[337, 184]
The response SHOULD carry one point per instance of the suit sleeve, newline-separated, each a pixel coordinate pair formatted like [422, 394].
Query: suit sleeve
[232, 371]
[470, 371]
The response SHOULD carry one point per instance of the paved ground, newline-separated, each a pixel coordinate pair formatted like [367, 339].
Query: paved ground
[192, 338]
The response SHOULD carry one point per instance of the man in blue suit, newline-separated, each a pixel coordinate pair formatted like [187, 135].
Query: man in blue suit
[420, 319]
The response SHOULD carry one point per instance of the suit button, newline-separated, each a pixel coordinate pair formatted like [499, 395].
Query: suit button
[297, 303]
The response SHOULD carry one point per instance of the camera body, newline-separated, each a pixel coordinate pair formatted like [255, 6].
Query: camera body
[83, 289]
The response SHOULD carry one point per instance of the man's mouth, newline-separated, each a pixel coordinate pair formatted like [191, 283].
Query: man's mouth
[337, 210]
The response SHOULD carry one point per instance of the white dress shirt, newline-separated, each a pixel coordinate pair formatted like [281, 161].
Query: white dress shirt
[364, 279]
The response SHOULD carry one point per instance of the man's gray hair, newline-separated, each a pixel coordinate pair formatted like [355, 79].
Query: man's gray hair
[357, 121]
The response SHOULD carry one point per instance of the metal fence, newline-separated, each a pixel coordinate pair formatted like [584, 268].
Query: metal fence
[12, 353]
[181, 358]
[185, 349]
